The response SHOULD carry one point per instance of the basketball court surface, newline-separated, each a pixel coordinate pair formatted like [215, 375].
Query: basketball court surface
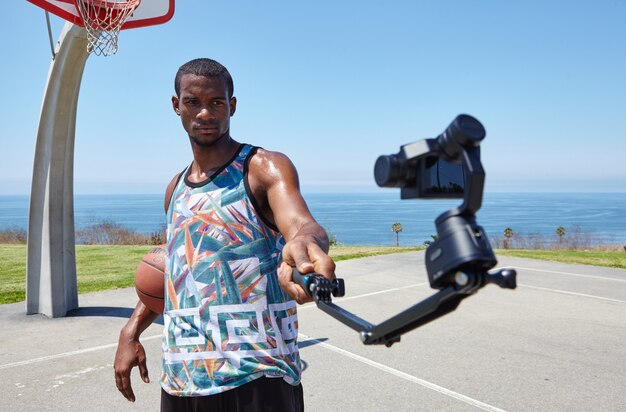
[554, 343]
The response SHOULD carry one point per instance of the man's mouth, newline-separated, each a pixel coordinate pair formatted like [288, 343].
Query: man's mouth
[205, 128]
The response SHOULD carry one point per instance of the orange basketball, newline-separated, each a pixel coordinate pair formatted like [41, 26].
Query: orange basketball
[150, 279]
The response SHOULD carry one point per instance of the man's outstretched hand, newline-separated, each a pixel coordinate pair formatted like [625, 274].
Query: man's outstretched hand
[308, 257]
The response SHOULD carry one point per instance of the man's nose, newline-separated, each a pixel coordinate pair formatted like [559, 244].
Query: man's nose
[206, 113]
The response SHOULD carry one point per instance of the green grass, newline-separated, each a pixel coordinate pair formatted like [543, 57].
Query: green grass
[339, 253]
[111, 267]
[613, 259]
[12, 273]
[107, 267]
[98, 268]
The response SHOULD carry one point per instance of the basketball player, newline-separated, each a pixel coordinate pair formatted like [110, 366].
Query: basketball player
[236, 225]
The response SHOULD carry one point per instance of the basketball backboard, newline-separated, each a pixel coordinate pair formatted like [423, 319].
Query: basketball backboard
[148, 13]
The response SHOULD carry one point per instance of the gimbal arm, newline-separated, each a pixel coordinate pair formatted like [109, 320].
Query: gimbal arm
[390, 331]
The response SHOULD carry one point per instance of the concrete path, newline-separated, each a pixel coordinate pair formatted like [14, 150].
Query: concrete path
[557, 343]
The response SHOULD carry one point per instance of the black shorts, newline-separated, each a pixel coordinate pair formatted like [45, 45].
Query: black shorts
[260, 395]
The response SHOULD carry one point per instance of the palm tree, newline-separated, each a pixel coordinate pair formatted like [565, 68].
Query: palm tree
[560, 231]
[508, 234]
[397, 228]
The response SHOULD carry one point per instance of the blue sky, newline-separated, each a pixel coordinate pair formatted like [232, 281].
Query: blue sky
[335, 84]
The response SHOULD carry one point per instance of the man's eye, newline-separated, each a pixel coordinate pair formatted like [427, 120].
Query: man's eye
[218, 103]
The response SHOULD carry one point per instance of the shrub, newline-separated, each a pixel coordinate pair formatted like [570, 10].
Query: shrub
[13, 235]
[110, 233]
[576, 239]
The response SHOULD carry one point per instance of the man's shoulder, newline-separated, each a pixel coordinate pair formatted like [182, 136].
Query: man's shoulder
[268, 167]
[262, 154]
[265, 159]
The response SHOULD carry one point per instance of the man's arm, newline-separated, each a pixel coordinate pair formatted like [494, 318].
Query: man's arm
[274, 183]
[130, 352]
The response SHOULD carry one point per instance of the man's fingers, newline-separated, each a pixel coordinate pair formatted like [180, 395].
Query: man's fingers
[143, 369]
[118, 381]
[298, 294]
[143, 372]
[300, 259]
[305, 267]
[307, 258]
[122, 381]
[320, 261]
[285, 279]
[128, 390]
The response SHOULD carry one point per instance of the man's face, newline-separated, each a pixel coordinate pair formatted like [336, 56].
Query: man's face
[204, 108]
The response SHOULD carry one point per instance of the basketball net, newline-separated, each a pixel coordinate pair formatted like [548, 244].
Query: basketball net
[103, 20]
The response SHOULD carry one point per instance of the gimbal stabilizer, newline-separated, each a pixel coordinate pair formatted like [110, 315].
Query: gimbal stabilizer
[458, 260]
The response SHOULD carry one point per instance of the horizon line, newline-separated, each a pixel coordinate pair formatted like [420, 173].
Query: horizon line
[327, 192]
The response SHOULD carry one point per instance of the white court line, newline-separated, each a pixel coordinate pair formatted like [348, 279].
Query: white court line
[568, 273]
[565, 292]
[111, 345]
[381, 291]
[339, 300]
[406, 376]
[63, 355]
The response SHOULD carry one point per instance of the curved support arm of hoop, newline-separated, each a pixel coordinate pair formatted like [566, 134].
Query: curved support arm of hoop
[51, 265]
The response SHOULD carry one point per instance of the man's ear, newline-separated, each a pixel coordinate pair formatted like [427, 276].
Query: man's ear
[233, 105]
[175, 103]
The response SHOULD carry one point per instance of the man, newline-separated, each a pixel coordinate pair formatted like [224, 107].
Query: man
[230, 336]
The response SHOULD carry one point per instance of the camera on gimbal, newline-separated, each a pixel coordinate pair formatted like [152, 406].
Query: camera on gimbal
[445, 167]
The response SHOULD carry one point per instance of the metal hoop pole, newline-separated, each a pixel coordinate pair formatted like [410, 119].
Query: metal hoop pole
[51, 264]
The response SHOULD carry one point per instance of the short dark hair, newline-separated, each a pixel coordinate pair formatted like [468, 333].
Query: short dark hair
[207, 68]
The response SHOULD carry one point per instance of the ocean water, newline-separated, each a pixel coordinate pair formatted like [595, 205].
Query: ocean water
[366, 219]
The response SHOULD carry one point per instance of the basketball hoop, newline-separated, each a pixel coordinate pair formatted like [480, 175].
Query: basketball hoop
[103, 20]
